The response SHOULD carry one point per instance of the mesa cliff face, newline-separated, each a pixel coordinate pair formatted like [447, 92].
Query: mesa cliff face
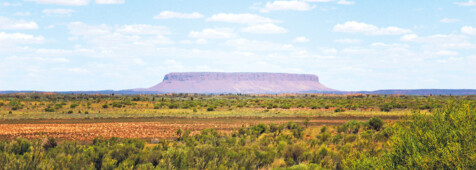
[256, 83]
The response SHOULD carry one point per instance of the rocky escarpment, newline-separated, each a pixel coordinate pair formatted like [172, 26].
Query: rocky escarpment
[256, 83]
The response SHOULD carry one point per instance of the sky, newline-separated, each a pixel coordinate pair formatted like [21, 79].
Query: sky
[63, 45]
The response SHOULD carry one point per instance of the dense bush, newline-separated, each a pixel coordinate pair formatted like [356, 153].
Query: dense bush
[375, 123]
[442, 140]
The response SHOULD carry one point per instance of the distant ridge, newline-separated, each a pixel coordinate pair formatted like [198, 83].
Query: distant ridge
[423, 91]
[455, 92]
[247, 83]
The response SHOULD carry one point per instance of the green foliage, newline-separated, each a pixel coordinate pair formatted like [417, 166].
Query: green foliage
[339, 110]
[323, 129]
[74, 105]
[443, 140]
[49, 109]
[375, 123]
[21, 146]
[210, 108]
[15, 105]
[350, 127]
[293, 154]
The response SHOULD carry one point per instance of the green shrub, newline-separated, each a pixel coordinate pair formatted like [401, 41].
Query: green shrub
[323, 137]
[350, 127]
[323, 129]
[339, 110]
[293, 154]
[210, 108]
[319, 155]
[21, 146]
[49, 109]
[443, 140]
[74, 105]
[350, 138]
[375, 123]
[117, 104]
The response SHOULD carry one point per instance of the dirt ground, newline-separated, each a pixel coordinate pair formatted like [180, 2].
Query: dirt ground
[144, 128]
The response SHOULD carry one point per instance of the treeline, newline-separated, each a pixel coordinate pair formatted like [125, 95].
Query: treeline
[444, 139]
[338, 103]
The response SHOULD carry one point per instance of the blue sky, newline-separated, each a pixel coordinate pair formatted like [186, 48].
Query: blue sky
[59, 45]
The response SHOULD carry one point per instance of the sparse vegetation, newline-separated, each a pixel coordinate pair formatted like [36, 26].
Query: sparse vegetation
[442, 140]
[434, 132]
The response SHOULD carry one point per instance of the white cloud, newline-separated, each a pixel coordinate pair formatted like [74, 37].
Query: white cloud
[469, 3]
[142, 29]
[79, 28]
[59, 12]
[10, 4]
[23, 14]
[39, 59]
[108, 41]
[348, 41]
[254, 45]
[107, 2]
[301, 39]
[360, 27]
[50, 27]
[392, 46]
[468, 30]
[53, 52]
[198, 41]
[440, 41]
[138, 61]
[318, 0]
[77, 70]
[446, 53]
[409, 37]
[345, 2]
[219, 33]
[264, 29]
[286, 6]
[449, 20]
[449, 60]
[62, 2]
[245, 18]
[6, 23]
[20, 38]
[170, 14]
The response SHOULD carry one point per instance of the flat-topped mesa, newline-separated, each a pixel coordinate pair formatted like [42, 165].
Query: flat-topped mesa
[255, 83]
[201, 76]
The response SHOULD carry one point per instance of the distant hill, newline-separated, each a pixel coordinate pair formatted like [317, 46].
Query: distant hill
[248, 83]
[423, 92]
[252, 83]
